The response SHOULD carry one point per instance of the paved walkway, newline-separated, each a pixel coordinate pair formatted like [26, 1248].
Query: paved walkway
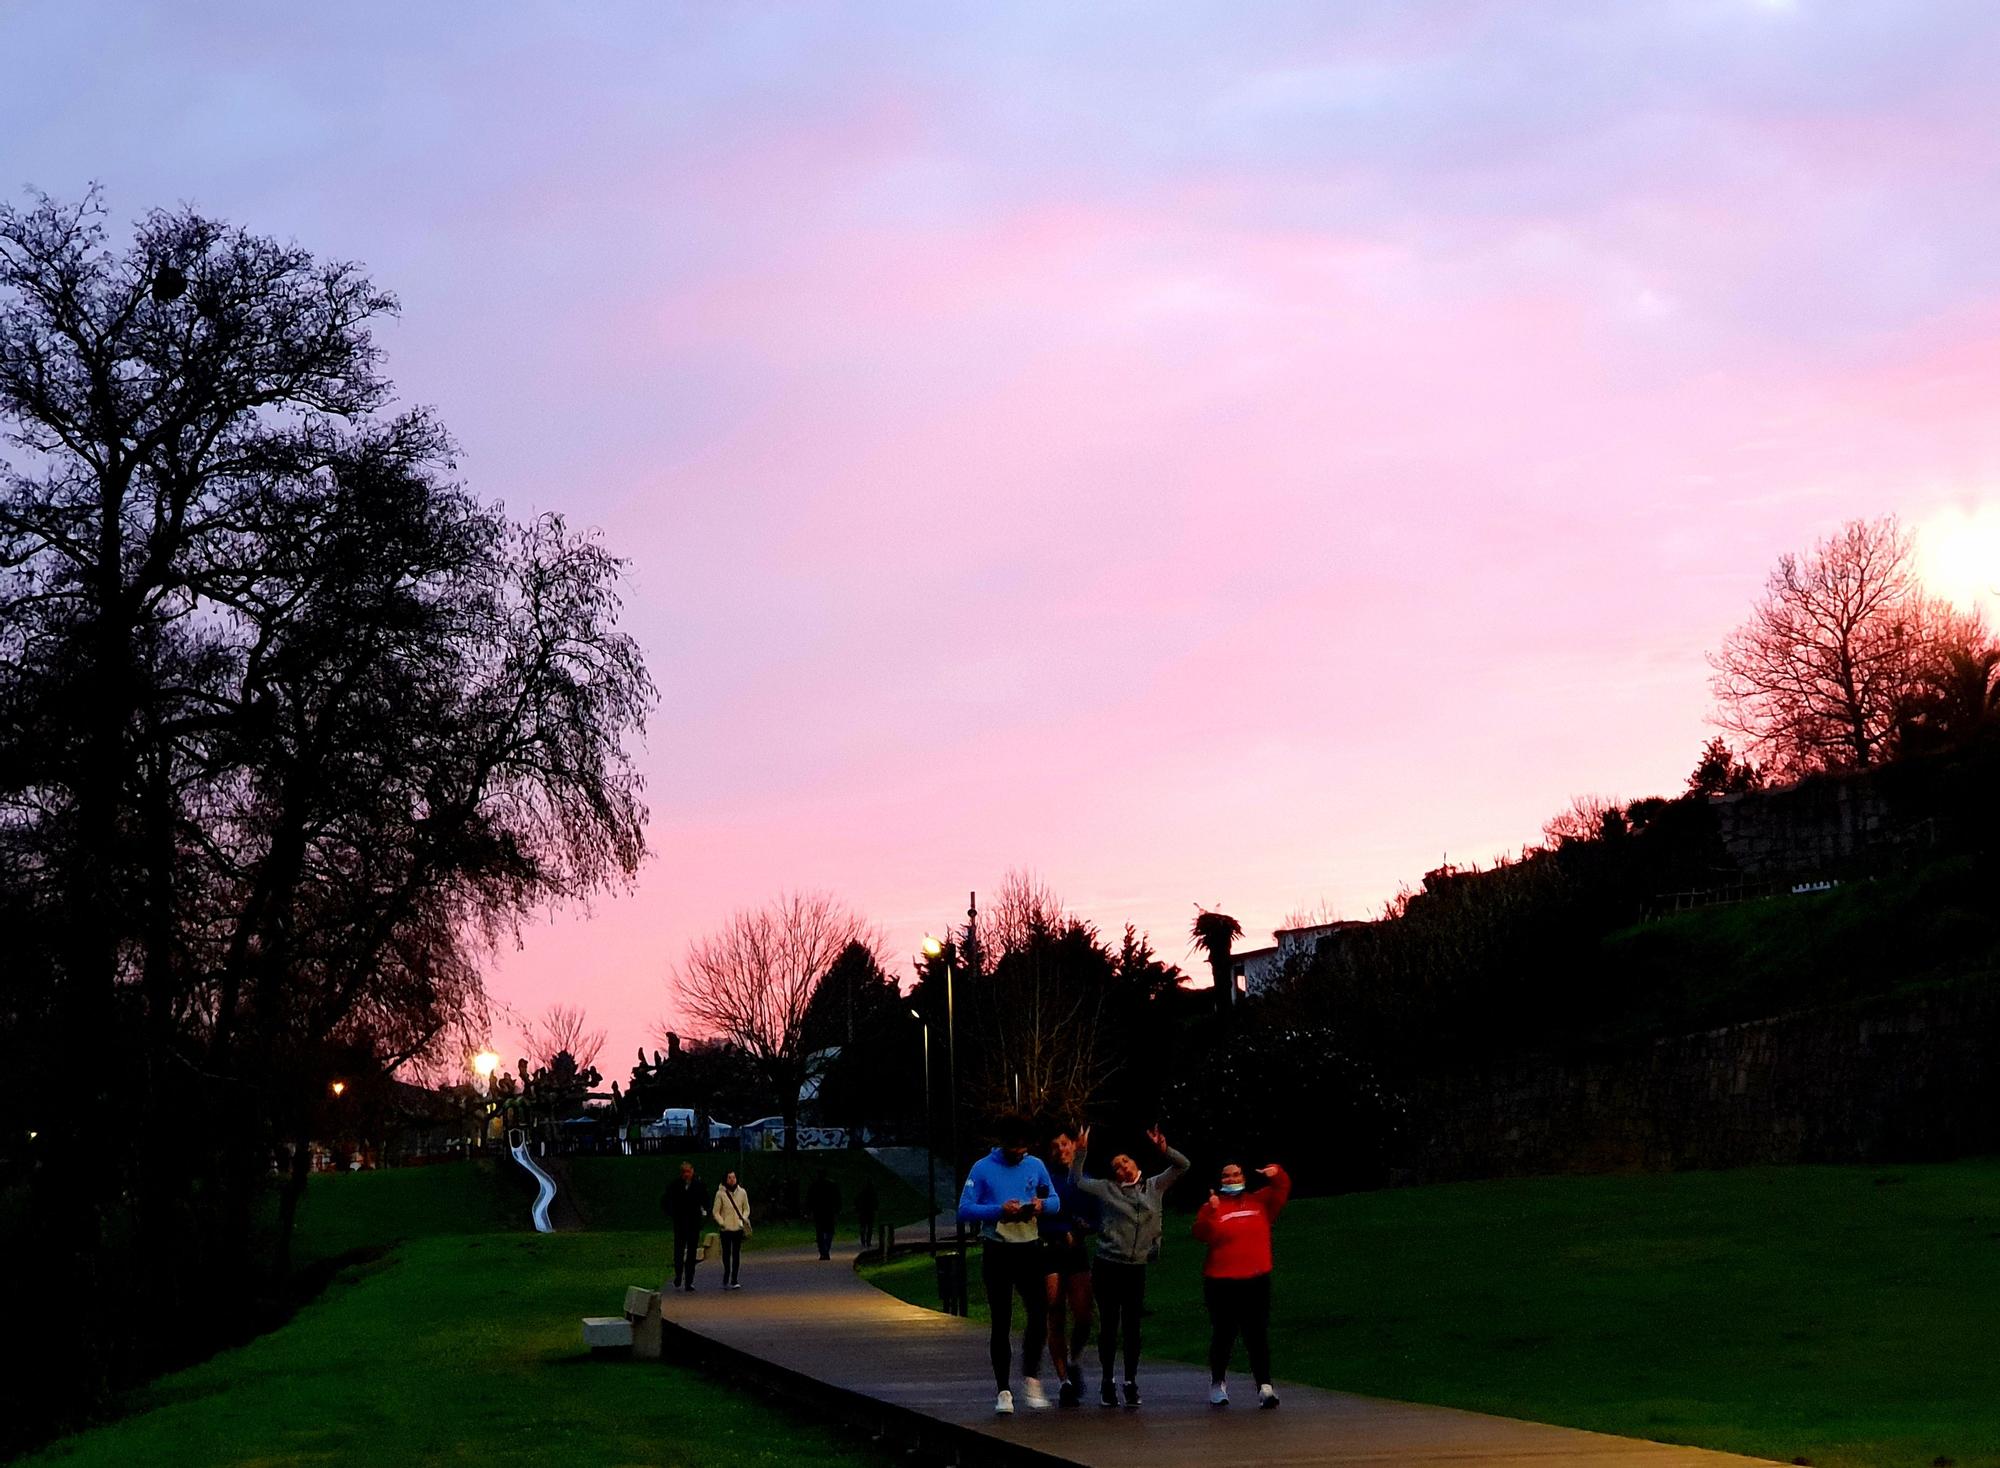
[820, 1320]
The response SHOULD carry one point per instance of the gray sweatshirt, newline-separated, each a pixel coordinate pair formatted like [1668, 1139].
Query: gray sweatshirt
[1130, 1230]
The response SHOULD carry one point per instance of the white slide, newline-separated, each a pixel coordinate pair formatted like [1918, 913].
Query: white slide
[518, 1140]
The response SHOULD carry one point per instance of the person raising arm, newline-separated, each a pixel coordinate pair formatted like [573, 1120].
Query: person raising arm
[1235, 1223]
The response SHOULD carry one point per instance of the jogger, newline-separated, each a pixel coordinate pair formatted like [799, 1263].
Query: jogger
[1235, 1223]
[1006, 1194]
[1129, 1218]
[1066, 1269]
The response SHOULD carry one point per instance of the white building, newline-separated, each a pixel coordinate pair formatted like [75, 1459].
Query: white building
[1254, 967]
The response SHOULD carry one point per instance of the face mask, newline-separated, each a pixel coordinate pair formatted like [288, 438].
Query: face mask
[1230, 1190]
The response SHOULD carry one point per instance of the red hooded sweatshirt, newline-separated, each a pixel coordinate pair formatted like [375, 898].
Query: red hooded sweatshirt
[1238, 1230]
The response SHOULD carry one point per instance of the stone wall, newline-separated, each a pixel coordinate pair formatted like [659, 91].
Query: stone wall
[1823, 825]
[1899, 1078]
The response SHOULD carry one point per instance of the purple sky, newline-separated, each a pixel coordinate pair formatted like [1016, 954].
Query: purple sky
[1199, 453]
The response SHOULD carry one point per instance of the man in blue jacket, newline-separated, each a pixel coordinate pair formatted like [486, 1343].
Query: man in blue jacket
[1007, 1193]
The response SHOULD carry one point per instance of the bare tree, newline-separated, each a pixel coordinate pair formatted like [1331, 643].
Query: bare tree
[752, 983]
[563, 1029]
[1843, 641]
[1039, 1011]
[1583, 819]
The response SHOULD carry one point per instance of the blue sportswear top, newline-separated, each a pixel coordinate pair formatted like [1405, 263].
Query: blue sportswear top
[992, 1182]
[1072, 1212]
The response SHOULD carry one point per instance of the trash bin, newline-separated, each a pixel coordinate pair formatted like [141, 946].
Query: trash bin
[951, 1281]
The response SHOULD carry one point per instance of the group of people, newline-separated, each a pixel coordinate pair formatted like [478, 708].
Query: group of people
[728, 1214]
[1066, 1243]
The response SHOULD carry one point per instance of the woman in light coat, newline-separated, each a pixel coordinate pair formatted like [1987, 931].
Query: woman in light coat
[731, 1212]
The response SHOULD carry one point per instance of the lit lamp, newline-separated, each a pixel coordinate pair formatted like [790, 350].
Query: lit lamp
[485, 1063]
[339, 1086]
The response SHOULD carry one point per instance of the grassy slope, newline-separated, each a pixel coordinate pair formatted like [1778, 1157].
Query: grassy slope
[461, 1345]
[1754, 959]
[1843, 1315]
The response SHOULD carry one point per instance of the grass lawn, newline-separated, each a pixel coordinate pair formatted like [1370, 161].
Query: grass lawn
[460, 1344]
[1841, 1315]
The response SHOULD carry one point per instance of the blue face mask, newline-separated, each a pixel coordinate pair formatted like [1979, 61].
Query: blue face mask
[1230, 1190]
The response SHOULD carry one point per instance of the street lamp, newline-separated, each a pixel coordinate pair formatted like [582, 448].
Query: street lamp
[930, 1133]
[339, 1086]
[484, 1064]
[935, 949]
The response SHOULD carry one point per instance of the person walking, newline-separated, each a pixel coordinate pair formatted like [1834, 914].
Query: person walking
[1235, 1223]
[731, 1211]
[865, 1205]
[1129, 1220]
[1007, 1193]
[682, 1204]
[823, 1203]
[1066, 1264]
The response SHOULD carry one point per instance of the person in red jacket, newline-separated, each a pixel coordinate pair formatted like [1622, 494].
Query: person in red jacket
[1235, 1223]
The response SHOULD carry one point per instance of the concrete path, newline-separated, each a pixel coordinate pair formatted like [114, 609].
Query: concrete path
[819, 1324]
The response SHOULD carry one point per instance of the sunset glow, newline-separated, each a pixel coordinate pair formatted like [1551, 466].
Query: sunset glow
[1200, 462]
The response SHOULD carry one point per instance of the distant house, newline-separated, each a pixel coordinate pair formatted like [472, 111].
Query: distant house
[1255, 967]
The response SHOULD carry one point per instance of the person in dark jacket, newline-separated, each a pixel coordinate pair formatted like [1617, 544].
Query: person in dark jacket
[683, 1203]
[865, 1205]
[823, 1203]
[1065, 1230]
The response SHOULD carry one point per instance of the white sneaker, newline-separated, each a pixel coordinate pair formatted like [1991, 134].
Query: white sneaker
[1031, 1388]
[1267, 1395]
[1004, 1407]
[1218, 1395]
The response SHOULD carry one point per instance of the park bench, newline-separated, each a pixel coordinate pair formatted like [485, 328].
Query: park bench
[636, 1332]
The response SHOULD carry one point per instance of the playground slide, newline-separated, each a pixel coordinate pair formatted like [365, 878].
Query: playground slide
[546, 1185]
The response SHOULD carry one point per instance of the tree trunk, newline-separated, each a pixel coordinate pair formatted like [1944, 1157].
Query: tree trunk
[288, 1207]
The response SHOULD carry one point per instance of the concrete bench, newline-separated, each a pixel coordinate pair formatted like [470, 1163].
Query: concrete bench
[637, 1331]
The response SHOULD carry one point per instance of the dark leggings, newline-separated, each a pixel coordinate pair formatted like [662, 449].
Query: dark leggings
[1009, 1270]
[1239, 1305]
[732, 1255]
[1121, 1302]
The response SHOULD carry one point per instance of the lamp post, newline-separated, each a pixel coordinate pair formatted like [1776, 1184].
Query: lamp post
[930, 1134]
[936, 949]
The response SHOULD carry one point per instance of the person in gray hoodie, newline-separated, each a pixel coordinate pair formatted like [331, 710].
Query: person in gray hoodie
[1128, 1235]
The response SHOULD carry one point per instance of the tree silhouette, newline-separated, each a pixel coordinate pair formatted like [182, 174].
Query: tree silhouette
[752, 983]
[291, 726]
[1843, 643]
[1215, 934]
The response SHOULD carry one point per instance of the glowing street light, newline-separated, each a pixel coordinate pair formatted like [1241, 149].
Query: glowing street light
[339, 1086]
[486, 1062]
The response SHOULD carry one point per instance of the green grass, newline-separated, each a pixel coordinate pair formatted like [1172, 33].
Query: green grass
[459, 1342]
[1843, 1315]
[1754, 959]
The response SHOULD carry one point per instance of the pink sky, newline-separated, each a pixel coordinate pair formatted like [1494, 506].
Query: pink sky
[1198, 461]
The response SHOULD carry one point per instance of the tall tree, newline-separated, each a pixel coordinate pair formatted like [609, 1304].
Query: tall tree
[1843, 641]
[752, 983]
[290, 725]
[1215, 934]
